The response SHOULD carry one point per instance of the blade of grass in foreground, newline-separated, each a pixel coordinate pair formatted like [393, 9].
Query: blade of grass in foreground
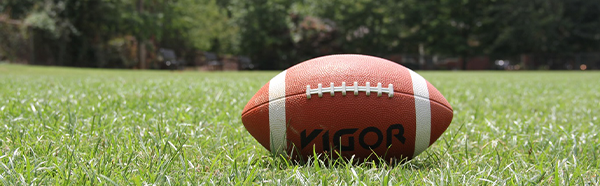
[116, 127]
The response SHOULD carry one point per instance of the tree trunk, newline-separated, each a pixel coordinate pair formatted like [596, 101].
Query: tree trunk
[142, 41]
[62, 50]
[421, 56]
[31, 33]
[142, 54]
[465, 61]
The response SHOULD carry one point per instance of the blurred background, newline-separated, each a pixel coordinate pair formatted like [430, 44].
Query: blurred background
[276, 34]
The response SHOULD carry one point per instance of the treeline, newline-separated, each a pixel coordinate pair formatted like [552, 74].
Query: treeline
[276, 34]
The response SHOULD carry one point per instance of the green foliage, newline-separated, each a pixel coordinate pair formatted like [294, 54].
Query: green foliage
[450, 27]
[371, 27]
[203, 22]
[141, 18]
[17, 8]
[265, 34]
[279, 33]
[113, 127]
[47, 17]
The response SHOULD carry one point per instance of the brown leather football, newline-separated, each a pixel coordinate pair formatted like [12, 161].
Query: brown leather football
[348, 104]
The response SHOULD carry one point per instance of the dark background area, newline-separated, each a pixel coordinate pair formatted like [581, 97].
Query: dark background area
[276, 34]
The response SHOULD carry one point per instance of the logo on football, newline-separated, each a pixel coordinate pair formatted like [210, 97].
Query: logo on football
[353, 104]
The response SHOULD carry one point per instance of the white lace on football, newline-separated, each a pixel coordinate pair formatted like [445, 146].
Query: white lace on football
[354, 88]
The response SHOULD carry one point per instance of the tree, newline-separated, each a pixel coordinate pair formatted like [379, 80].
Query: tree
[279, 33]
[265, 35]
[203, 25]
[451, 27]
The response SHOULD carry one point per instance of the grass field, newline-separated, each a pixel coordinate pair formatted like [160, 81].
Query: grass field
[117, 127]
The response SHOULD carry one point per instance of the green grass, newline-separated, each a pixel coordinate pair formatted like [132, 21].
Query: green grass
[117, 127]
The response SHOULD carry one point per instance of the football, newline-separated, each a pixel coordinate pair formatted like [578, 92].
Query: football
[347, 105]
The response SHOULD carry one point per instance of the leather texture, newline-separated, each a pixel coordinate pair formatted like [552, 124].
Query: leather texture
[360, 121]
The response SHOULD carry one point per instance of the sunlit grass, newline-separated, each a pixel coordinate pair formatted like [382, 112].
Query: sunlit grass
[84, 126]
